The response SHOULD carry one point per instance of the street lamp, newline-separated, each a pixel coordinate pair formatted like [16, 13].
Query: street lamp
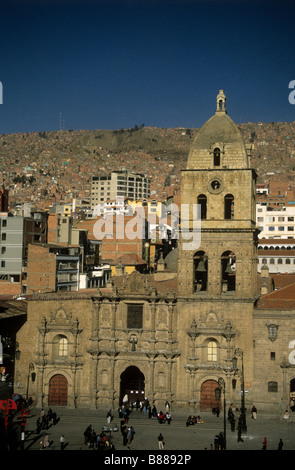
[221, 384]
[31, 368]
[239, 352]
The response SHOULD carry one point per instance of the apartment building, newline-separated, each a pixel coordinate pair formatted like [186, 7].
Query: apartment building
[119, 183]
[52, 268]
[275, 223]
[11, 247]
[277, 254]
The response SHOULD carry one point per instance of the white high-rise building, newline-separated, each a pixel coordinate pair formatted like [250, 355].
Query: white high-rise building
[275, 223]
[119, 183]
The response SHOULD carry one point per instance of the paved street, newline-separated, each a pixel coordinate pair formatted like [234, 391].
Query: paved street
[177, 436]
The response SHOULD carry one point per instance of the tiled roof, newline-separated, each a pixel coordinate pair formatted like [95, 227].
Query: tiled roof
[279, 253]
[282, 280]
[131, 259]
[281, 299]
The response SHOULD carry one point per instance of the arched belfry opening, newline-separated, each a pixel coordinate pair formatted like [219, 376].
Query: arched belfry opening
[202, 200]
[216, 156]
[229, 205]
[228, 271]
[221, 102]
[200, 271]
[132, 385]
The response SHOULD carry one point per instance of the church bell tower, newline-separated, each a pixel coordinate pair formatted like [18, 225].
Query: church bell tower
[219, 180]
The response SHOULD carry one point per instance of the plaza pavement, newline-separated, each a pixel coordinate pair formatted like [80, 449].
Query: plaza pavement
[178, 437]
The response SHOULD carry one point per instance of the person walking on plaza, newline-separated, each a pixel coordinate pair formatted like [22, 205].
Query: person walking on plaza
[239, 428]
[254, 412]
[280, 445]
[46, 442]
[216, 442]
[62, 442]
[264, 444]
[161, 441]
[109, 416]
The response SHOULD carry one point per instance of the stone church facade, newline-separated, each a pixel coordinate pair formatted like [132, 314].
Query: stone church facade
[171, 336]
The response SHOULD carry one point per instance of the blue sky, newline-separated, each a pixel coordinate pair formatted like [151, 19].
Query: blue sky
[116, 63]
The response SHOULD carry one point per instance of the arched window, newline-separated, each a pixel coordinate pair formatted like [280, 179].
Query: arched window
[280, 261]
[212, 351]
[60, 347]
[202, 200]
[288, 261]
[63, 347]
[229, 207]
[272, 261]
[228, 271]
[216, 156]
[200, 271]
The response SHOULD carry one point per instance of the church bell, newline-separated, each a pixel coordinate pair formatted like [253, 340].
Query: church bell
[228, 269]
[201, 266]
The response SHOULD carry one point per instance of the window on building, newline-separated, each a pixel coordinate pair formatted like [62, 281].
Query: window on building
[260, 219]
[288, 261]
[3, 237]
[229, 207]
[272, 332]
[212, 351]
[280, 261]
[63, 347]
[272, 356]
[272, 261]
[216, 157]
[202, 200]
[281, 228]
[290, 228]
[135, 316]
[272, 386]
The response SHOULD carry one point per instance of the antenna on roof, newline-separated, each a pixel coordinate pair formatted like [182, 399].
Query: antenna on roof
[61, 122]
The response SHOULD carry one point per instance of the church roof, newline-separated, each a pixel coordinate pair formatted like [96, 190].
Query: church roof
[219, 131]
[219, 128]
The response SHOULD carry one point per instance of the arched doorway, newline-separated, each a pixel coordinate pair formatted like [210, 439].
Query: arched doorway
[208, 399]
[58, 390]
[132, 384]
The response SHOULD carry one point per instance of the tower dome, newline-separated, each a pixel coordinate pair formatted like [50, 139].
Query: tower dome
[219, 143]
